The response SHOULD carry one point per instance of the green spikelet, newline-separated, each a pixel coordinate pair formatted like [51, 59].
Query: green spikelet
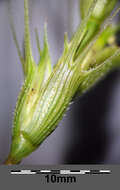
[46, 93]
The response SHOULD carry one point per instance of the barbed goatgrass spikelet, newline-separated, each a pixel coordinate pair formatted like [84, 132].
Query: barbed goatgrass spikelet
[47, 92]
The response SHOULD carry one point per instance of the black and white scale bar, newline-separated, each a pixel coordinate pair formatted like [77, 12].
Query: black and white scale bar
[62, 172]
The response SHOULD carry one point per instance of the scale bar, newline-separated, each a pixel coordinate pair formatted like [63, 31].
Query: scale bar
[62, 172]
